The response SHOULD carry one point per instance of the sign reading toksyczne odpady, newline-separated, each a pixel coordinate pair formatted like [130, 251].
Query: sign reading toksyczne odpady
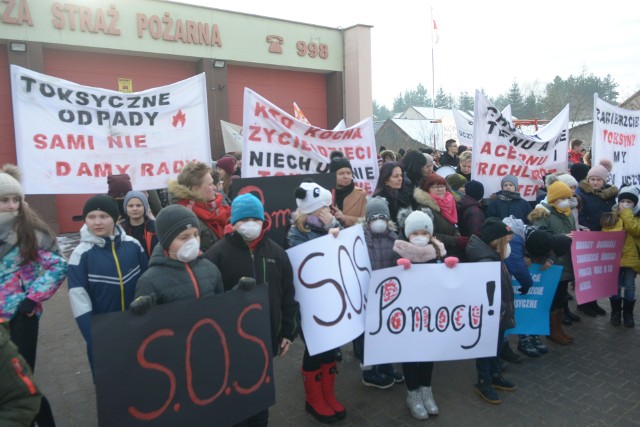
[499, 149]
[616, 137]
[431, 312]
[70, 137]
[276, 143]
[331, 277]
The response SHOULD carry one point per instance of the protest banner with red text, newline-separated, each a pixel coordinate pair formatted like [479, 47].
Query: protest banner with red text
[431, 312]
[189, 363]
[70, 137]
[499, 149]
[276, 143]
[615, 133]
[596, 259]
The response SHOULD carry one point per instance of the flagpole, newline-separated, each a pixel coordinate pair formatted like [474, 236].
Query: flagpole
[433, 80]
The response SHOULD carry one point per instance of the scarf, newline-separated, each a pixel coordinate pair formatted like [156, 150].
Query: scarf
[213, 214]
[447, 206]
[339, 194]
[566, 211]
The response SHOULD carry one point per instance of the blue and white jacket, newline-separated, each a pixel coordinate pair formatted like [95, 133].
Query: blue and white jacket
[102, 275]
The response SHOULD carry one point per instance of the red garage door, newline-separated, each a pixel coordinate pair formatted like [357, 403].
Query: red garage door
[103, 70]
[283, 88]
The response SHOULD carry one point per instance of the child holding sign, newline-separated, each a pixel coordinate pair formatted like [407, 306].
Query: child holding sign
[621, 218]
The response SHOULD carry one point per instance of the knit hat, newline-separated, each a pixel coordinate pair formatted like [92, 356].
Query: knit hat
[102, 203]
[561, 244]
[474, 189]
[119, 185]
[377, 206]
[510, 178]
[173, 220]
[557, 189]
[579, 171]
[10, 181]
[338, 161]
[601, 170]
[227, 164]
[538, 243]
[568, 179]
[431, 180]
[492, 229]
[246, 206]
[629, 192]
[416, 221]
[137, 195]
[310, 197]
[455, 181]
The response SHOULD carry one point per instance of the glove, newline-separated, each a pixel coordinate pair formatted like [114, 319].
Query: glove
[524, 289]
[451, 261]
[461, 242]
[27, 306]
[143, 303]
[404, 263]
[245, 284]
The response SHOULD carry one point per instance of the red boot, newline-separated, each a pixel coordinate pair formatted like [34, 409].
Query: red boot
[329, 371]
[314, 401]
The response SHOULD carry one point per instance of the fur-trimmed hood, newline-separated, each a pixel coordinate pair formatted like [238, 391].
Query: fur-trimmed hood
[181, 192]
[419, 254]
[424, 199]
[607, 192]
[541, 210]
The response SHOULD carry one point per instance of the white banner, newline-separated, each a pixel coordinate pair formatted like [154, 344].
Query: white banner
[275, 143]
[232, 137]
[331, 277]
[431, 312]
[69, 137]
[499, 149]
[464, 125]
[615, 132]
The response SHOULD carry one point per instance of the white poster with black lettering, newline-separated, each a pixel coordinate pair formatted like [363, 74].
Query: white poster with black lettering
[276, 143]
[331, 278]
[70, 137]
[500, 149]
[615, 133]
[431, 312]
[464, 125]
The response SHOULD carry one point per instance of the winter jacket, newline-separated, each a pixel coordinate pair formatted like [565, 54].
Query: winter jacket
[172, 280]
[547, 217]
[296, 237]
[515, 262]
[447, 159]
[102, 275]
[479, 251]
[19, 396]
[353, 206]
[505, 203]
[401, 203]
[380, 247]
[624, 220]
[149, 239]
[269, 264]
[470, 216]
[212, 215]
[575, 157]
[37, 280]
[443, 230]
[595, 203]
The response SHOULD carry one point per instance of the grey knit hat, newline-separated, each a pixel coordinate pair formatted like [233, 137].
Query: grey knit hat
[137, 195]
[377, 206]
[173, 220]
[10, 181]
[416, 221]
[510, 178]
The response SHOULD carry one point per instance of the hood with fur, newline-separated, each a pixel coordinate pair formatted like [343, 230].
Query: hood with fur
[607, 192]
[423, 198]
[181, 192]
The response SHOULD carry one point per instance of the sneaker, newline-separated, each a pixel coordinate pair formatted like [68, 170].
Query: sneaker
[509, 355]
[538, 344]
[501, 383]
[599, 310]
[388, 370]
[415, 405]
[486, 391]
[526, 347]
[373, 378]
[429, 402]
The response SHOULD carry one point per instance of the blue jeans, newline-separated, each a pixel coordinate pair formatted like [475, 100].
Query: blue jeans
[626, 280]
[488, 367]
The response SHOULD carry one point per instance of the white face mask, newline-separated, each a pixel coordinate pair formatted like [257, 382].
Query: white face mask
[250, 230]
[378, 225]
[625, 204]
[562, 203]
[189, 250]
[507, 251]
[420, 240]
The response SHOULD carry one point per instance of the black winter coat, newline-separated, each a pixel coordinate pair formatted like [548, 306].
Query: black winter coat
[380, 246]
[269, 264]
[595, 203]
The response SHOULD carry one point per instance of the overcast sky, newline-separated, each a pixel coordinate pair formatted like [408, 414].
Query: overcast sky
[485, 45]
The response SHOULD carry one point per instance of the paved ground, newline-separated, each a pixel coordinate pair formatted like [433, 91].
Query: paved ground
[594, 382]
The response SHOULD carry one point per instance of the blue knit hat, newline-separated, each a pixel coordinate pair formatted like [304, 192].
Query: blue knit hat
[246, 206]
[137, 195]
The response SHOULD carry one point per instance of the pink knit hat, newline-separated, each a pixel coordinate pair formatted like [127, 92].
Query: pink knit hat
[601, 170]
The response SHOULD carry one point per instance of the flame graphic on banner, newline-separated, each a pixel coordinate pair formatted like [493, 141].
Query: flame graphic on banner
[179, 118]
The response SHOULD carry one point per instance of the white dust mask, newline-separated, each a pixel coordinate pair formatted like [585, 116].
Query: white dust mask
[189, 251]
[378, 226]
[420, 240]
[563, 203]
[250, 230]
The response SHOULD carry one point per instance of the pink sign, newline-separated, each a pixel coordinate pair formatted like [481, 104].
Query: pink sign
[596, 262]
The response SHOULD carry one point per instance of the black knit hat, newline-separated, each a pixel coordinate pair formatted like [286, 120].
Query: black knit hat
[538, 243]
[474, 189]
[338, 161]
[579, 171]
[492, 229]
[102, 203]
[173, 220]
